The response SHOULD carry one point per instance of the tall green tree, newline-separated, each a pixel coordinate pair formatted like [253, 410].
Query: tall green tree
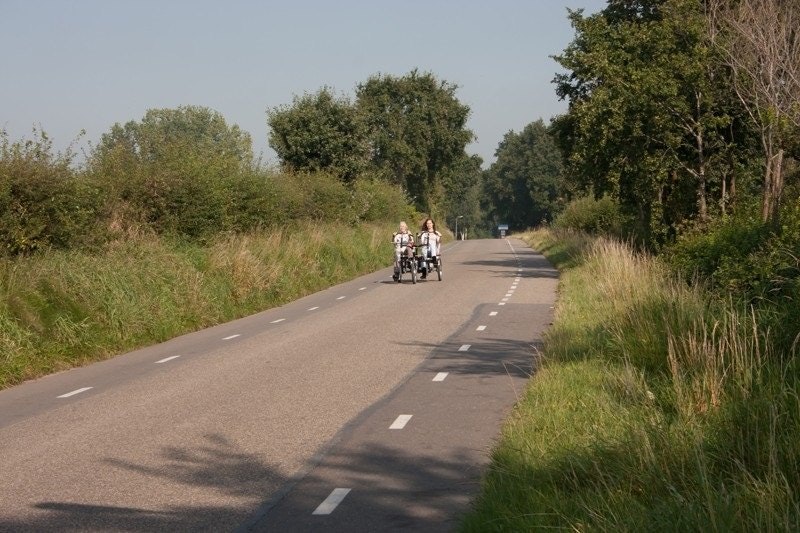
[320, 132]
[184, 139]
[647, 114]
[417, 129]
[523, 186]
[175, 169]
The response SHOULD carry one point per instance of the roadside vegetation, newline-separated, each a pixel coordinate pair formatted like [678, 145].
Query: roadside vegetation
[66, 308]
[667, 395]
[163, 233]
[655, 407]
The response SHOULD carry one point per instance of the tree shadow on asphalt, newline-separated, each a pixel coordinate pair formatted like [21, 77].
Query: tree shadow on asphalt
[391, 490]
[217, 464]
[438, 482]
[534, 266]
[510, 357]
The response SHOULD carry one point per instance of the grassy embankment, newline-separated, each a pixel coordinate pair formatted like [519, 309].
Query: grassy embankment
[654, 409]
[61, 309]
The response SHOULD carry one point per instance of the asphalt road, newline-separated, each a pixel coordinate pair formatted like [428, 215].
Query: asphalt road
[368, 406]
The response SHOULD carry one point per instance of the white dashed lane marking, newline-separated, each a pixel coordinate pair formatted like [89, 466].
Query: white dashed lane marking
[362, 289]
[480, 328]
[167, 359]
[400, 422]
[502, 303]
[464, 347]
[341, 297]
[73, 393]
[313, 308]
[229, 337]
[440, 376]
[277, 321]
[493, 313]
[331, 502]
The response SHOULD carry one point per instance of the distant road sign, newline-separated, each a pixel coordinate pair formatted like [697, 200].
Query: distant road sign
[502, 227]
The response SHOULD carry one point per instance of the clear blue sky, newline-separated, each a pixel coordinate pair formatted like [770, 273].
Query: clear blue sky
[68, 65]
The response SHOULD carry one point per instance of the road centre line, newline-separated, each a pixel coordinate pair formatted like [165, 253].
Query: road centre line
[278, 320]
[73, 393]
[493, 313]
[440, 376]
[480, 328]
[229, 337]
[400, 422]
[331, 502]
[464, 347]
[167, 359]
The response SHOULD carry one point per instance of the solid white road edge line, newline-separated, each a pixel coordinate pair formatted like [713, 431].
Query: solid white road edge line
[331, 502]
[400, 422]
[167, 359]
[73, 393]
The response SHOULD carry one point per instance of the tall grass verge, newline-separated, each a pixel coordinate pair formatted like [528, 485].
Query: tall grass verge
[60, 309]
[656, 408]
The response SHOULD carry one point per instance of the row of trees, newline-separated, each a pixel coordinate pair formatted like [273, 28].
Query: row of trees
[411, 131]
[181, 172]
[187, 172]
[408, 130]
[679, 111]
[674, 105]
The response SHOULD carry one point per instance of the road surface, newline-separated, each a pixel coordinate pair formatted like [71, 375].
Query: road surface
[368, 406]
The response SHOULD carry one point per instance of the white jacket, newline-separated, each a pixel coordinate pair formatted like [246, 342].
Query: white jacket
[430, 240]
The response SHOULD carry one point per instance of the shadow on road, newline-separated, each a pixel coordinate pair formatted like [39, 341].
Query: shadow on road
[217, 464]
[220, 466]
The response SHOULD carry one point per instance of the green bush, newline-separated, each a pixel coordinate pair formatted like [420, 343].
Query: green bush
[742, 255]
[595, 216]
[715, 251]
[43, 202]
